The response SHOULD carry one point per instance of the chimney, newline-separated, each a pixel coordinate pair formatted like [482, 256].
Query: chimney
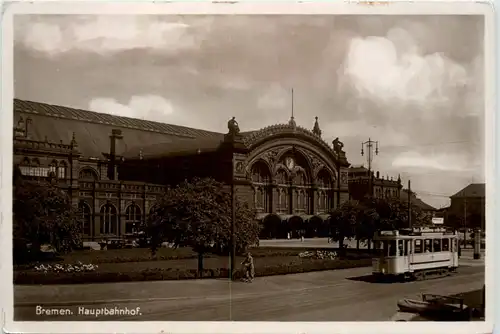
[29, 121]
[378, 175]
[116, 134]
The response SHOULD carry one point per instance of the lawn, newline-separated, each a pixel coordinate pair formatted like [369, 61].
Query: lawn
[138, 264]
[213, 262]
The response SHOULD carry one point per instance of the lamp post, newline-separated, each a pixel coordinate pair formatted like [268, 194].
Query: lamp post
[233, 221]
[369, 157]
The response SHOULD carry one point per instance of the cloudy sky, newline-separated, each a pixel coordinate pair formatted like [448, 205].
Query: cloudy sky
[413, 83]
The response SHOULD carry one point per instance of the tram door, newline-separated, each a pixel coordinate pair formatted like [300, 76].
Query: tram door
[407, 254]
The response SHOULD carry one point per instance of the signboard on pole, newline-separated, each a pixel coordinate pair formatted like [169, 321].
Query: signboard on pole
[437, 221]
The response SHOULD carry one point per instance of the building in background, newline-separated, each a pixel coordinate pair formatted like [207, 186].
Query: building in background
[417, 202]
[114, 168]
[360, 185]
[467, 208]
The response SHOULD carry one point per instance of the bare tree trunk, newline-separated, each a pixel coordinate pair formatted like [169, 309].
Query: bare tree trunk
[200, 264]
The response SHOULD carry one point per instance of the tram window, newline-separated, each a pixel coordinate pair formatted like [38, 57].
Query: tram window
[437, 245]
[407, 247]
[445, 245]
[400, 248]
[392, 248]
[428, 246]
[377, 246]
[418, 246]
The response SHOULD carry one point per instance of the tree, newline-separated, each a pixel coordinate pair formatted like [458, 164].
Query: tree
[363, 218]
[43, 214]
[197, 214]
[344, 220]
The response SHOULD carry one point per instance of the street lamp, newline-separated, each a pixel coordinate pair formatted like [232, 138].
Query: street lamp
[369, 147]
[233, 220]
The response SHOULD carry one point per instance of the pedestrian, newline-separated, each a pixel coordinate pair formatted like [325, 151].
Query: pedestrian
[249, 268]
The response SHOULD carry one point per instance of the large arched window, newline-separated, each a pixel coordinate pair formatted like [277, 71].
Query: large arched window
[300, 179]
[62, 170]
[133, 218]
[281, 177]
[324, 182]
[109, 219]
[260, 173]
[86, 215]
[261, 178]
[88, 174]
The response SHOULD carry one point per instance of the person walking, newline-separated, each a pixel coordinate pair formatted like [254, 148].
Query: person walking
[249, 267]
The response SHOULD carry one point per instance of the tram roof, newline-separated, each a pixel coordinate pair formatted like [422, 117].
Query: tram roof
[416, 232]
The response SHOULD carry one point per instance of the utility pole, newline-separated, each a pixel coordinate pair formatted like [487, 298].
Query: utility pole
[410, 223]
[465, 223]
[233, 221]
[369, 157]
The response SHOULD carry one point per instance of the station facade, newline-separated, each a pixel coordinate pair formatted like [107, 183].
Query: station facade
[114, 168]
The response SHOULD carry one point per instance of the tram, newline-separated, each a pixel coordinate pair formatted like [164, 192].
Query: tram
[415, 253]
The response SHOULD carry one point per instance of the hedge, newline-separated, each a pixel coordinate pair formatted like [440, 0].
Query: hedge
[35, 278]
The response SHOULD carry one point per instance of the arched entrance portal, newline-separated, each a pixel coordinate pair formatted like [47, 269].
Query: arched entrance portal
[296, 227]
[272, 227]
[321, 225]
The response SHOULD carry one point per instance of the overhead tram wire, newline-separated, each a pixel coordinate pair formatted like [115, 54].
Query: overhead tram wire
[434, 144]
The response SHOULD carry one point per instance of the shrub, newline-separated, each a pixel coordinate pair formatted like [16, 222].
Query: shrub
[301, 266]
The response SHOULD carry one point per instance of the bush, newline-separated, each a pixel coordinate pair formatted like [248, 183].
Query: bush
[156, 274]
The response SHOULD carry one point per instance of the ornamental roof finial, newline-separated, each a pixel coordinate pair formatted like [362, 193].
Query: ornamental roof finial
[316, 129]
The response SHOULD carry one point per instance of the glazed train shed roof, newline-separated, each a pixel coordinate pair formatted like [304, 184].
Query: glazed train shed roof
[92, 129]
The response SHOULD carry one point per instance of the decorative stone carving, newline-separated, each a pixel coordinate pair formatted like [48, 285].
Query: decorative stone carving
[343, 178]
[271, 156]
[279, 129]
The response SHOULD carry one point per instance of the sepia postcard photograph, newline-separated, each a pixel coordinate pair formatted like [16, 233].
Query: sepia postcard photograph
[247, 167]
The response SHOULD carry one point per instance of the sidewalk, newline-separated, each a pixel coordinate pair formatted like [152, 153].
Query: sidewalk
[25, 295]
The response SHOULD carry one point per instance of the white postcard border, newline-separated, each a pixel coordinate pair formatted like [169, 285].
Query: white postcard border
[303, 8]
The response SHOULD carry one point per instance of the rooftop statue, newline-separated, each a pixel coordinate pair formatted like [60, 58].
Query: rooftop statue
[337, 145]
[233, 127]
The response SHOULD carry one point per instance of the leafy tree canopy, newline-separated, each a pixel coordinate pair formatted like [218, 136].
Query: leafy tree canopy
[363, 218]
[198, 214]
[43, 214]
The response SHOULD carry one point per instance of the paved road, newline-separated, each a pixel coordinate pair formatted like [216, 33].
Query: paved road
[320, 296]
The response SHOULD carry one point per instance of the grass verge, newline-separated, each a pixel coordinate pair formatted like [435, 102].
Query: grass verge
[161, 273]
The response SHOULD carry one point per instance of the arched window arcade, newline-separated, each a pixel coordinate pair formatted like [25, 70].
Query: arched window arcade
[86, 216]
[324, 182]
[133, 218]
[261, 179]
[109, 220]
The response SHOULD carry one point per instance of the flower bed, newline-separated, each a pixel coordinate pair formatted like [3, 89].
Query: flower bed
[65, 268]
[319, 255]
[300, 266]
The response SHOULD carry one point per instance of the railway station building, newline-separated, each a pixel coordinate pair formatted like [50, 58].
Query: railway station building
[114, 168]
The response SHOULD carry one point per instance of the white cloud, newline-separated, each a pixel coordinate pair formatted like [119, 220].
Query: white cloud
[392, 69]
[436, 162]
[44, 37]
[148, 107]
[275, 98]
[108, 34]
